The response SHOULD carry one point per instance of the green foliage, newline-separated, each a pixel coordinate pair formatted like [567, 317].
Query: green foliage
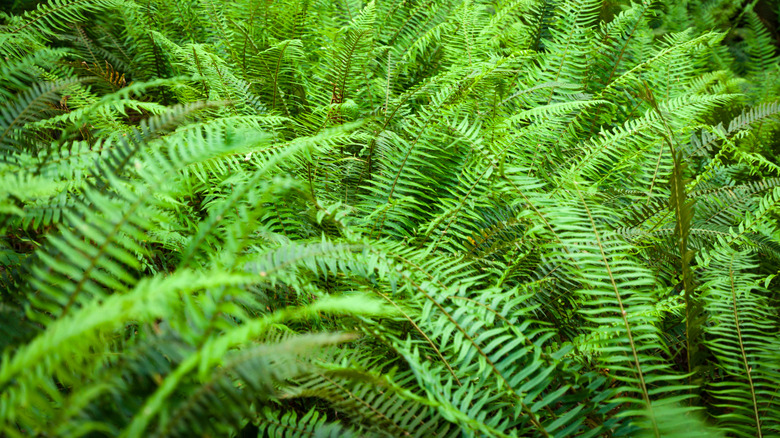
[423, 218]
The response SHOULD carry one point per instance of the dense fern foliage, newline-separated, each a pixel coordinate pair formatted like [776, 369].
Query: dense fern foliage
[493, 218]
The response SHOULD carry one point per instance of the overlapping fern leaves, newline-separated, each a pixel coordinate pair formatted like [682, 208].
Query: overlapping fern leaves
[428, 218]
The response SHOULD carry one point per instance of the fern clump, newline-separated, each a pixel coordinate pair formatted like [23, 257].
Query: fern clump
[423, 218]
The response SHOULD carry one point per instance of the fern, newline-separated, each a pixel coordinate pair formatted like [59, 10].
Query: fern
[377, 218]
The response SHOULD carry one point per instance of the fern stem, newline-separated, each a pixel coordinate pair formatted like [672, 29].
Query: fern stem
[748, 370]
[366, 404]
[532, 417]
[684, 216]
[623, 313]
[421, 332]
